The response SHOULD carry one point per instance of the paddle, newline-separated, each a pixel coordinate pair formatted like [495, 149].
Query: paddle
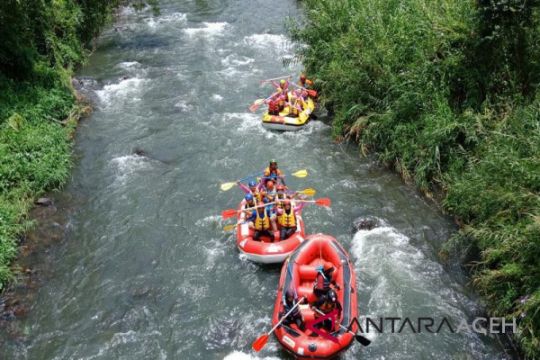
[326, 202]
[231, 226]
[229, 213]
[255, 106]
[361, 339]
[229, 185]
[263, 339]
[278, 78]
[311, 93]
[307, 192]
[299, 174]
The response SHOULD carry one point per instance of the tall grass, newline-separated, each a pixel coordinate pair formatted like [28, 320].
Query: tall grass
[446, 92]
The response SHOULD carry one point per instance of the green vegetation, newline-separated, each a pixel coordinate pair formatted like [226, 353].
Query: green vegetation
[42, 42]
[446, 92]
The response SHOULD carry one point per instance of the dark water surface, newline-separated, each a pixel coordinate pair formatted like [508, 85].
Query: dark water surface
[145, 271]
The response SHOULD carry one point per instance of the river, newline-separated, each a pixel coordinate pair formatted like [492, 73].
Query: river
[144, 270]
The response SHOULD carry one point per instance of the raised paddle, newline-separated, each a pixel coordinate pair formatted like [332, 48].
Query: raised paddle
[361, 339]
[278, 78]
[263, 339]
[326, 202]
[229, 213]
[229, 185]
[311, 93]
[299, 174]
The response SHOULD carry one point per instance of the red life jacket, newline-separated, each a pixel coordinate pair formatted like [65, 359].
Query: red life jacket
[322, 283]
[273, 106]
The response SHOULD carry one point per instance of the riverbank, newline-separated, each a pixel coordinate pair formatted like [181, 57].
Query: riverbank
[38, 105]
[446, 93]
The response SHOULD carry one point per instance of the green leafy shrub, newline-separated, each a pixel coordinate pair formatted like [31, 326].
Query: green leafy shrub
[446, 92]
[42, 42]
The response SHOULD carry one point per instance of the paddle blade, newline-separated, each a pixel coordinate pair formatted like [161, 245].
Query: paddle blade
[229, 227]
[227, 186]
[308, 192]
[260, 342]
[300, 174]
[256, 105]
[323, 202]
[229, 213]
[362, 340]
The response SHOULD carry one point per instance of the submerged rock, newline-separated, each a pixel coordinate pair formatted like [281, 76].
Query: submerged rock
[139, 152]
[366, 223]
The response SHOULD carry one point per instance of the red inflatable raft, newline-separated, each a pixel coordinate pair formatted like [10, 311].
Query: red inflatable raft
[299, 272]
[265, 251]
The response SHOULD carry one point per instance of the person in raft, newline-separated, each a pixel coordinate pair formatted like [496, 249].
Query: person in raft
[252, 188]
[275, 106]
[272, 212]
[270, 190]
[287, 219]
[325, 305]
[282, 87]
[296, 316]
[273, 173]
[305, 82]
[250, 203]
[280, 196]
[296, 104]
[262, 224]
[323, 280]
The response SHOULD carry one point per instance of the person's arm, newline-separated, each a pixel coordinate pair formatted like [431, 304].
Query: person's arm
[299, 207]
[243, 187]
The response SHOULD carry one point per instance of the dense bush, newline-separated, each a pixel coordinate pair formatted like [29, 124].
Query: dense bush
[41, 42]
[446, 92]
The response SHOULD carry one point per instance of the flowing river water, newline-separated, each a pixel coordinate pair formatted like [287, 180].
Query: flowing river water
[144, 270]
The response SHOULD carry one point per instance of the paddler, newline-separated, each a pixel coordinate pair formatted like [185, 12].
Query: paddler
[326, 304]
[249, 214]
[323, 280]
[287, 219]
[274, 106]
[252, 188]
[273, 173]
[295, 317]
[305, 82]
[296, 104]
[271, 191]
[282, 86]
[261, 224]
[280, 195]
